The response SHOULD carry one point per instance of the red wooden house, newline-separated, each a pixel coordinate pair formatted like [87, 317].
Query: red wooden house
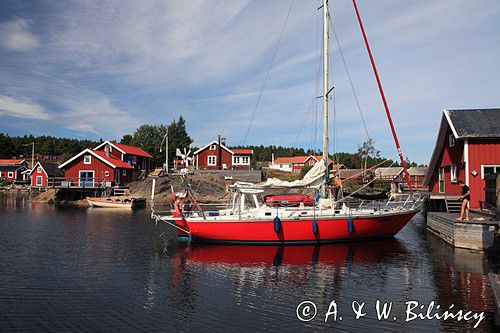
[296, 163]
[95, 168]
[467, 148]
[42, 172]
[136, 157]
[12, 170]
[215, 157]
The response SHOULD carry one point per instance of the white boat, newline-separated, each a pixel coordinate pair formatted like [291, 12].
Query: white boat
[117, 202]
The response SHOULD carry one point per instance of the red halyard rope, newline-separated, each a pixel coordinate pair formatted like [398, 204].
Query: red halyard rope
[396, 141]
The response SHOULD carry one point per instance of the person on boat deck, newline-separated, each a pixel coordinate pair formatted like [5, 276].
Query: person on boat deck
[465, 197]
[336, 183]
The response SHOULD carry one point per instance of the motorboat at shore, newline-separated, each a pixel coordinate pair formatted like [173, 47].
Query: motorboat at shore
[117, 202]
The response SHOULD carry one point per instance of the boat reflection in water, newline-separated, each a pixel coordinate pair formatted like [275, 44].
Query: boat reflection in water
[337, 254]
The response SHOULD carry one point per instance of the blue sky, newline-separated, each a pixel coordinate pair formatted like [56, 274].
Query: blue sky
[99, 69]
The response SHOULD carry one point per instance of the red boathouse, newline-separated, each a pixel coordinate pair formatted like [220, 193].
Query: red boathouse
[12, 170]
[467, 148]
[215, 157]
[42, 172]
[96, 168]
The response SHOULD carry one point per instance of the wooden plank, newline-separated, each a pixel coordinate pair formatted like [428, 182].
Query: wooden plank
[495, 287]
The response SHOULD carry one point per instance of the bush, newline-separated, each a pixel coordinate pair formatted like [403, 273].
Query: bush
[305, 170]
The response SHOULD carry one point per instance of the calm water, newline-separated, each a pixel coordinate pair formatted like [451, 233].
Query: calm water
[100, 270]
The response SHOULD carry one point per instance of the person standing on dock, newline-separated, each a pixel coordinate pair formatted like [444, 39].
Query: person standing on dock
[465, 197]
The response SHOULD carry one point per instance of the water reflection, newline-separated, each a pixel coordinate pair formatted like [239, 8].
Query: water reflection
[70, 268]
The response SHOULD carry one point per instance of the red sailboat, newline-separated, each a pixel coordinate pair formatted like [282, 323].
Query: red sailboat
[252, 218]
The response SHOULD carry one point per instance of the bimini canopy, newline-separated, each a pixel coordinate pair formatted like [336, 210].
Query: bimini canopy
[313, 178]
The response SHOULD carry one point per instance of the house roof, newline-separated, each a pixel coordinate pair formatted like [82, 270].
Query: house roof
[388, 171]
[474, 123]
[51, 169]
[243, 151]
[11, 167]
[352, 173]
[417, 171]
[11, 162]
[290, 160]
[301, 159]
[125, 149]
[213, 143]
[101, 155]
[465, 124]
[118, 163]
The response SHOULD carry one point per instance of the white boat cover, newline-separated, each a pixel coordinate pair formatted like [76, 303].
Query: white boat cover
[313, 178]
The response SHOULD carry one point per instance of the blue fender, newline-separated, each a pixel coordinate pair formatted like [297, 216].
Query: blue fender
[315, 226]
[350, 225]
[277, 224]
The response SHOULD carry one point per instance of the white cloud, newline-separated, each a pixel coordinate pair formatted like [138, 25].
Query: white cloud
[22, 108]
[16, 36]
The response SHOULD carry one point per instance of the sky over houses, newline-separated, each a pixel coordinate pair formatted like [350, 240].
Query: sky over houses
[99, 69]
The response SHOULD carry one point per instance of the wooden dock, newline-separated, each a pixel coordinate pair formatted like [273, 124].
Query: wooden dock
[495, 287]
[478, 234]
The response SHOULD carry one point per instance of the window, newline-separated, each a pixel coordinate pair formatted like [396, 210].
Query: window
[211, 160]
[488, 170]
[110, 149]
[106, 173]
[213, 147]
[39, 170]
[38, 180]
[453, 173]
[134, 159]
[87, 159]
[246, 160]
[236, 160]
[124, 172]
[451, 140]
[441, 180]
[10, 174]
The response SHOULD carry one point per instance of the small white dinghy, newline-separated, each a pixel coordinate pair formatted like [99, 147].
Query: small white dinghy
[117, 202]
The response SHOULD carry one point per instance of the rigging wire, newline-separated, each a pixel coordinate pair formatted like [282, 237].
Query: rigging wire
[268, 71]
[245, 79]
[350, 81]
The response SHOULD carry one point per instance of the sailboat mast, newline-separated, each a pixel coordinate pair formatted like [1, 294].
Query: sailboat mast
[325, 92]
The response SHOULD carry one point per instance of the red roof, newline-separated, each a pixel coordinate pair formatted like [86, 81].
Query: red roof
[131, 150]
[299, 159]
[11, 162]
[116, 162]
[243, 151]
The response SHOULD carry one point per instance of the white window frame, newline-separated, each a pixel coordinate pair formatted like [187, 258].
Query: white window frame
[10, 174]
[37, 182]
[213, 147]
[495, 166]
[451, 140]
[214, 163]
[453, 173]
[441, 178]
[124, 172]
[236, 160]
[85, 161]
[134, 159]
[39, 169]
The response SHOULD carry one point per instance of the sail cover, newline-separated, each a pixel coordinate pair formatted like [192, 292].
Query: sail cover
[313, 178]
